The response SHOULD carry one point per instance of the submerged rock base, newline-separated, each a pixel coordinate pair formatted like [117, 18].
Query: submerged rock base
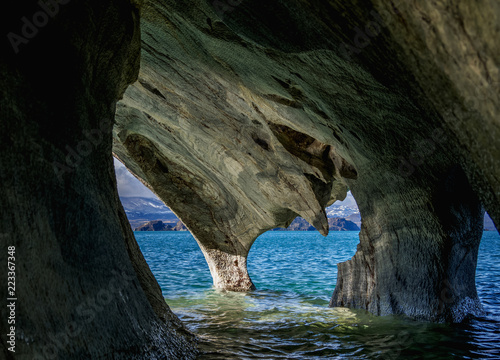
[421, 264]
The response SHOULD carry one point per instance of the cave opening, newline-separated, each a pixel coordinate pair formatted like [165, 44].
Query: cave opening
[135, 194]
[288, 314]
[298, 256]
[146, 212]
[204, 81]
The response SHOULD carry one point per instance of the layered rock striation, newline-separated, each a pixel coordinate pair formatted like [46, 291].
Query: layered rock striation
[248, 113]
[260, 112]
[82, 287]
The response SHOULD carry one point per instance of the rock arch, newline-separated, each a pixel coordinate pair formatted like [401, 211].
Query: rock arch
[240, 130]
[398, 102]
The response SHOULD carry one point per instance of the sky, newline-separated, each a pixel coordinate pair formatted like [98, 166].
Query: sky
[128, 185]
[349, 201]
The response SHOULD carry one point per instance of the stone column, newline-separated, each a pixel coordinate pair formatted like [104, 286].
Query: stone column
[417, 252]
[83, 288]
[229, 271]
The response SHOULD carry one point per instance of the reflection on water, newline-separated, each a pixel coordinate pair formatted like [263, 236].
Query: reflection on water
[289, 318]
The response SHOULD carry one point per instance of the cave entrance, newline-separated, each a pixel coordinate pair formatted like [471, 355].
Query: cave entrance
[294, 283]
[281, 260]
[174, 258]
[144, 210]
[275, 254]
[488, 272]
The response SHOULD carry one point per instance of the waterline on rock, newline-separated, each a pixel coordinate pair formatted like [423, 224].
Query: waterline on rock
[288, 316]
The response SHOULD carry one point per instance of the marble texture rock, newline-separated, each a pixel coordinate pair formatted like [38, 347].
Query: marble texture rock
[221, 157]
[257, 113]
[243, 117]
[83, 288]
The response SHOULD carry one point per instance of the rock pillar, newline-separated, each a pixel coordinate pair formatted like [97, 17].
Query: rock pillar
[417, 252]
[82, 287]
[229, 271]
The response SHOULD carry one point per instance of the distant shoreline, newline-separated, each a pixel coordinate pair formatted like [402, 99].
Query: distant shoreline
[298, 224]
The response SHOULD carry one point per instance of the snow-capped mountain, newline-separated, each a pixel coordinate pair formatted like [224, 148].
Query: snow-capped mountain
[144, 209]
[343, 209]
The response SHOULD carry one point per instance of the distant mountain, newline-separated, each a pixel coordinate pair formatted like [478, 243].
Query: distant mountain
[355, 218]
[155, 225]
[298, 224]
[140, 210]
[341, 211]
[335, 224]
[341, 224]
[158, 225]
[180, 226]
[150, 214]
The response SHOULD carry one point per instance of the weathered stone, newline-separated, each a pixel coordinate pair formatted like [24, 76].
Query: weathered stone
[235, 121]
[216, 151]
[83, 288]
[249, 116]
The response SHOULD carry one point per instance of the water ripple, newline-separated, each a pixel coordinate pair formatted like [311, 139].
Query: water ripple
[288, 317]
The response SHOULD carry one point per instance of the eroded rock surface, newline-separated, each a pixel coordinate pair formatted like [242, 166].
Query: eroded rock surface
[83, 288]
[248, 114]
[256, 113]
[218, 149]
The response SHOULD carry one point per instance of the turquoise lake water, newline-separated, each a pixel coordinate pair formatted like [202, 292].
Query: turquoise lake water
[288, 316]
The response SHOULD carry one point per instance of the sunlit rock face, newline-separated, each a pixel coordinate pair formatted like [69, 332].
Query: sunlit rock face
[258, 112]
[218, 148]
[83, 288]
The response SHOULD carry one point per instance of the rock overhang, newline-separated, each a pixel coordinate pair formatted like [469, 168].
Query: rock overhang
[249, 114]
[256, 124]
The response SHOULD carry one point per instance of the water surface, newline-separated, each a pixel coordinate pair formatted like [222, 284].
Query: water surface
[288, 316]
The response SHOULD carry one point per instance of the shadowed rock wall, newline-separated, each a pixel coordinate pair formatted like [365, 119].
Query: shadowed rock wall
[83, 288]
[248, 114]
[266, 110]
